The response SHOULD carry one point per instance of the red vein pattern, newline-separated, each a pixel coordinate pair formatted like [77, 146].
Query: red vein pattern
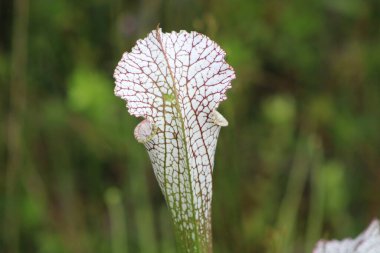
[175, 81]
[367, 242]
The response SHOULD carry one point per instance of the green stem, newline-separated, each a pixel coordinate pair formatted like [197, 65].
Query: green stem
[117, 221]
[17, 99]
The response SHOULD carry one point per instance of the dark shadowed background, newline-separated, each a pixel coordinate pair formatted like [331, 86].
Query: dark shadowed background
[300, 159]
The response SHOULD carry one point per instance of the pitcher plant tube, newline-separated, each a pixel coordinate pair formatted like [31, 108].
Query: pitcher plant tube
[366, 242]
[175, 82]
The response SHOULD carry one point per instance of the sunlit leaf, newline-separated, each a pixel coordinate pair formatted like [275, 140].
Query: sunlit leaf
[175, 81]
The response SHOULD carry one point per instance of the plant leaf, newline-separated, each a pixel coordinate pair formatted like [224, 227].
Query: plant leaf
[176, 81]
[366, 242]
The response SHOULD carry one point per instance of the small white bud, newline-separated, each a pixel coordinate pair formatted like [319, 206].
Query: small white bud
[144, 131]
[218, 118]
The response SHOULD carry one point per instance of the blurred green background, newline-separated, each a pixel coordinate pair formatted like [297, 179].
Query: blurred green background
[299, 161]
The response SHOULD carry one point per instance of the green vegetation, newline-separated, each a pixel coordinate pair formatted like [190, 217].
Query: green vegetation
[298, 161]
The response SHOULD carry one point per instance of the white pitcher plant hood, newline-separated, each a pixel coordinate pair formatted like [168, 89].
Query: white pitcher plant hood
[175, 81]
[366, 242]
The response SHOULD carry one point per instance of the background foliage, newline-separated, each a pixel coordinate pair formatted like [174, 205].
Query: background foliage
[299, 161]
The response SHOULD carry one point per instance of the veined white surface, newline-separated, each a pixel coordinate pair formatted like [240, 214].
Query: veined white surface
[366, 242]
[175, 81]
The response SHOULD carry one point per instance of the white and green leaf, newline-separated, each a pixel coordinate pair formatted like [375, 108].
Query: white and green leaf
[175, 81]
